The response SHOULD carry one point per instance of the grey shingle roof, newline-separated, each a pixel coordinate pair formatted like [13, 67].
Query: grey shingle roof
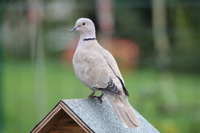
[101, 118]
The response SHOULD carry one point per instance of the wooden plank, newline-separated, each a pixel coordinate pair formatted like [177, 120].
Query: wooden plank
[75, 117]
[61, 119]
[67, 124]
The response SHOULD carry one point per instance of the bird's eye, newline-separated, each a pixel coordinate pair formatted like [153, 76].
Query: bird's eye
[83, 23]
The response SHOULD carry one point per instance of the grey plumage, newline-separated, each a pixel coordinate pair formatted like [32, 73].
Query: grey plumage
[111, 88]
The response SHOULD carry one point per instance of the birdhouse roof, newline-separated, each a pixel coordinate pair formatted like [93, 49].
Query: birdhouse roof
[87, 115]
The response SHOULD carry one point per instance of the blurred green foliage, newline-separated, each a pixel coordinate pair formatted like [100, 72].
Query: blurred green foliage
[143, 86]
[134, 20]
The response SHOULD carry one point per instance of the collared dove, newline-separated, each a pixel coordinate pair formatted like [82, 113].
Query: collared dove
[97, 69]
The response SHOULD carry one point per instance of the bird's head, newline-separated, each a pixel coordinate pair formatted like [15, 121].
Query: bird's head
[85, 27]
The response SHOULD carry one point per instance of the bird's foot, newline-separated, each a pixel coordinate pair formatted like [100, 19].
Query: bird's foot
[99, 97]
[91, 95]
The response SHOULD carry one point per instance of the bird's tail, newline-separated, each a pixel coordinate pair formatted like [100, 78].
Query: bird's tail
[124, 110]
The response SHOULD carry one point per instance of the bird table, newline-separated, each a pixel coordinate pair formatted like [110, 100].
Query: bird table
[87, 115]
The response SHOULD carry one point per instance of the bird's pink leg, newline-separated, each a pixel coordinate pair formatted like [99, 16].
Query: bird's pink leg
[91, 95]
[99, 97]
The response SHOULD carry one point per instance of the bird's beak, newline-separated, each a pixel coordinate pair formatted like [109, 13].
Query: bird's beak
[73, 29]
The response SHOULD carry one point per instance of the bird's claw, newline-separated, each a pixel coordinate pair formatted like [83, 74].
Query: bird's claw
[99, 97]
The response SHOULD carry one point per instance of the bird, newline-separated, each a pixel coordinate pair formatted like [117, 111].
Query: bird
[97, 69]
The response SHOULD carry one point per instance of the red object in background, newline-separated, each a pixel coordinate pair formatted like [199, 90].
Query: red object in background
[125, 51]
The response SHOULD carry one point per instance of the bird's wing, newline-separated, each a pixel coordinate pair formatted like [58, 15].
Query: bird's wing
[112, 63]
[114, 67]
[92, 68]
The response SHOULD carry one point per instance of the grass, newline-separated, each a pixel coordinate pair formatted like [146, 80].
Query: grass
[30, 93]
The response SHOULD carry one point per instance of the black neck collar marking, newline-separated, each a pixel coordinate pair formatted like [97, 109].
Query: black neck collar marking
[88, 39]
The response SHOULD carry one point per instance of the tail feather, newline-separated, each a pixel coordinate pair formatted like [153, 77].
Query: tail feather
[124, 110]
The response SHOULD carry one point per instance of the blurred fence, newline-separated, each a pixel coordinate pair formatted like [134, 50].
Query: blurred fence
[23, 21]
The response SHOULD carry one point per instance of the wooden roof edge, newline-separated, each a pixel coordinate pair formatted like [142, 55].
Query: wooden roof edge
[78, 120]
[61, 106]
[46, 119]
